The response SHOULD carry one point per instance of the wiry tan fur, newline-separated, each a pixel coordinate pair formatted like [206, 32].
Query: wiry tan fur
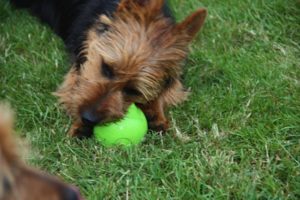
[145, 50]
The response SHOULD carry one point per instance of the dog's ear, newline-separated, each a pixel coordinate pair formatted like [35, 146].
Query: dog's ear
[151, 5]
[125, 5]
[148, 6]
[174, 93]
[192, 24]
[64, 92]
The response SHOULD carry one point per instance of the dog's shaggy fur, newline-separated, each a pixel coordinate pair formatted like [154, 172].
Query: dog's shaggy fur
[122, 52]
[19, 182]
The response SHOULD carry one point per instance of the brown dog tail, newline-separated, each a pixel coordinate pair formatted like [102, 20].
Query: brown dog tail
[7, 145]
[6, 118]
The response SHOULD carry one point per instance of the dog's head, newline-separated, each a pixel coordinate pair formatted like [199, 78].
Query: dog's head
[18, 181]
[133, 56]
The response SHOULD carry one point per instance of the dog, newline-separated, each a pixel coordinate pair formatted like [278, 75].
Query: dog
[122, 52]
[19, 182]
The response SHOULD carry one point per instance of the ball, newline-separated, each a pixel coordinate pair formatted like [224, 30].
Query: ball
[127, 131]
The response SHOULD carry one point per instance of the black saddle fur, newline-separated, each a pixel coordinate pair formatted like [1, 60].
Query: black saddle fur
[71, 18]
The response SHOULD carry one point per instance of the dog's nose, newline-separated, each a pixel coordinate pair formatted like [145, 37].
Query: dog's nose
[89, 117]
[70, 193]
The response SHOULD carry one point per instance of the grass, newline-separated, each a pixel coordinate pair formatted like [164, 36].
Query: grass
[237, 137]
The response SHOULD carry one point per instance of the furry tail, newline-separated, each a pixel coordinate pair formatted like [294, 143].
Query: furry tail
[6, 117]
[7, 144]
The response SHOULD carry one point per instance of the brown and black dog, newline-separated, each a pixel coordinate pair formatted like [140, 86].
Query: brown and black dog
[122, 52]
[19, 182]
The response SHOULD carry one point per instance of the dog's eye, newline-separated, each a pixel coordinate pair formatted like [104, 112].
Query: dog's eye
[102, 28]
[131, 91]
[168, 82]
[107, 71]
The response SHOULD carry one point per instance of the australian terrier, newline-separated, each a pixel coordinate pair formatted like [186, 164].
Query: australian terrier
[122, 52]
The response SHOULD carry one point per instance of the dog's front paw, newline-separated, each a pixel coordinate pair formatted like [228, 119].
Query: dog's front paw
[159, 125]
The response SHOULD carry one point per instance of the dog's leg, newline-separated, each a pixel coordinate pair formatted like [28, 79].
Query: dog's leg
[155, 115]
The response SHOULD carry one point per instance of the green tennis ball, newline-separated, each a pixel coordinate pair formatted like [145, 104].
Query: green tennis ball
[126, 132]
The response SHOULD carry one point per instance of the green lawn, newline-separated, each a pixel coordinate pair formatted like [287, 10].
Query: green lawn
[237, 137]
